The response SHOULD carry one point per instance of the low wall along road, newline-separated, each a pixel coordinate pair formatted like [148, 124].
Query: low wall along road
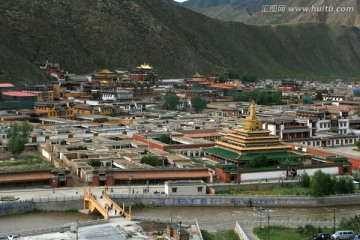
[77, 202]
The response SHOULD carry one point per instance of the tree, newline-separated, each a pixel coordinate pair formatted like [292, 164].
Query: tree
[18, 135]
[151, 77]
[222, 78]
[319, 96]
[96, 96]
[344, 185]
[180, 86]
[198, 103]
[259, 161]
[154, 161]
[171, 101]
[358, 144]
[234, 74]
[351, 223]
[307, 99]
[305, 180]
[164, 138]
[94, 163]
[357, 111]
[260, 97]
[322, 184]
[248, 77]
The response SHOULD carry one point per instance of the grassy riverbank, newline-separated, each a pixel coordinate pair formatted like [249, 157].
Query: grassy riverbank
[286, 233]
[225, 235]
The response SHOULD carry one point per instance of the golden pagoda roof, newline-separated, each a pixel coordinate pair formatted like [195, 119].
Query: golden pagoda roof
[105, 71]
[197, 75]
[145, 66]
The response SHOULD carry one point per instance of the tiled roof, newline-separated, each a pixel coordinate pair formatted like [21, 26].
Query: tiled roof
[6, 85]
[165, 175]
[201, 135]
[270, 155]
[221, 152]
[5, 178]
[18, 94]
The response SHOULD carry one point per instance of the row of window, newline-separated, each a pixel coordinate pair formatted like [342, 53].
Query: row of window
[174, 189]
[327, 125]
[328, 143]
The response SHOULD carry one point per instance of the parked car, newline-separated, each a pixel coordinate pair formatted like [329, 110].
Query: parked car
[343, 235]
[13, 237]
[320, 236]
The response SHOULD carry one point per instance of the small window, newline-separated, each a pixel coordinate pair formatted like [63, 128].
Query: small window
[200, 189]
[174, 190]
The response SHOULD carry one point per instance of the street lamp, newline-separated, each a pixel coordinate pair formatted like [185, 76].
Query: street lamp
[261, 211]
[54, 182]
[129, 177]
[179, 230]
[334, 220]
[268, 227]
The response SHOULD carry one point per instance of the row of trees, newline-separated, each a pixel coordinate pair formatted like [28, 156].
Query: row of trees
[171, 102]
[18, 135]
[236, 74]
[322, 184]
[260, 97]
[155, 161]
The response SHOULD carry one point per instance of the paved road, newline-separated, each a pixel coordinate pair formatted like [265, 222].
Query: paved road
[30, 193]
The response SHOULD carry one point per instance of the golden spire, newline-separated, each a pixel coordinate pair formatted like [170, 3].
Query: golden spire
[252, 123]
[252, 115]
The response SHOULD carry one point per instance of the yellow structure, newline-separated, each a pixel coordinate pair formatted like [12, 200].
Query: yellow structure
[244, 145]
[104, 77]
[145, 67]
[55, 110]
[91, 204]
[252, 138]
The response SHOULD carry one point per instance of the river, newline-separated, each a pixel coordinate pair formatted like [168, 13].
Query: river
[209, 218]
[38, 220]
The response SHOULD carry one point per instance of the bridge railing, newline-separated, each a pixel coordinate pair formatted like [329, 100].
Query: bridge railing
[97, 205]
[120, 209]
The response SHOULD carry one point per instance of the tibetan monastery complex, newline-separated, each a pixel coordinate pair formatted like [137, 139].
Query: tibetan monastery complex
[252, 153]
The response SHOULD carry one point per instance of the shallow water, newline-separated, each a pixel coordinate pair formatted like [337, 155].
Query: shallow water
[209, 218]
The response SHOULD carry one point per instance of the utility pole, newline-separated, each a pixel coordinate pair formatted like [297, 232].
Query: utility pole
[334, 221]
[268, 218]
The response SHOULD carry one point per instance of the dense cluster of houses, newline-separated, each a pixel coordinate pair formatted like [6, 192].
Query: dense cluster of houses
[115, 117]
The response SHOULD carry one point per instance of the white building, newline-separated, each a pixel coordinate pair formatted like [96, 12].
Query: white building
[185, 187]
[340, 126]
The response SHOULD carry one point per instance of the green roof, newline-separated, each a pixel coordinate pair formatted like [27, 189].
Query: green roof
[223, 153]
[337, 158]
[270, 156]
[225, 166]
[288, 162]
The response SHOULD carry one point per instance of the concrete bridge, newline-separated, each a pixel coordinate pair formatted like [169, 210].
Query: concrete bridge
[104, 205]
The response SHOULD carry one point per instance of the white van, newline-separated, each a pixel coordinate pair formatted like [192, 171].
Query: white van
[343, 235]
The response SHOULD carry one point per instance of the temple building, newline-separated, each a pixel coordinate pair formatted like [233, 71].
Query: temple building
[142, 73]
[104, 77]
[253, 147]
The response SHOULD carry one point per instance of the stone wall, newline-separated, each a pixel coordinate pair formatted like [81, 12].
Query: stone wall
[42, 204]
[8, 208]
[59, 204]
[236, 200]
[77, 202]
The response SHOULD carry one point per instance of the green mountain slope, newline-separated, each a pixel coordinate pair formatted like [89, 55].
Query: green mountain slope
[257, 12]
[84, 36]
